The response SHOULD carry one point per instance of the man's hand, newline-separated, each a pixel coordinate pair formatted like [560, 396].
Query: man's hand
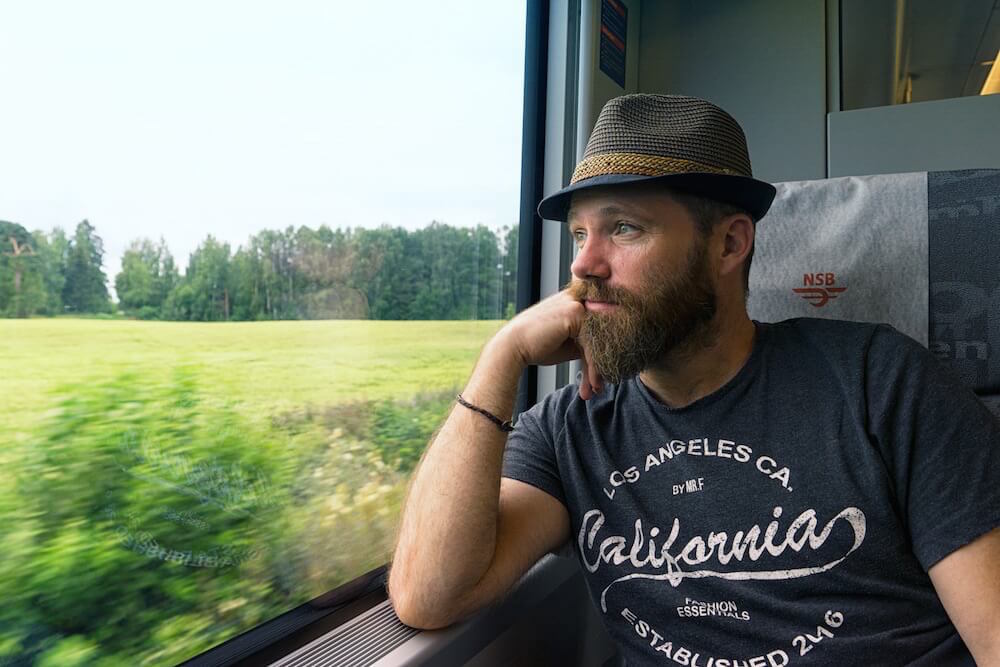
[547, 333]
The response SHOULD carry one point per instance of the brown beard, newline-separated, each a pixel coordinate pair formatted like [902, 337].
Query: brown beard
[674, 314]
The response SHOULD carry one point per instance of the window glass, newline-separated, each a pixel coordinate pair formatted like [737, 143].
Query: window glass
[917, 51]
[248, 255]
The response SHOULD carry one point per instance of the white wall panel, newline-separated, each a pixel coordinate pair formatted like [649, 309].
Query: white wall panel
[960, 133]
[763, 62]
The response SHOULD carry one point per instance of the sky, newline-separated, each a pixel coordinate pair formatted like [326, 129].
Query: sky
[182, 119]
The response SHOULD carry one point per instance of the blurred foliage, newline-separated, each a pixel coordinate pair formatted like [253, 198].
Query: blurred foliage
[145, 523]
[400, 431]
[397, 430]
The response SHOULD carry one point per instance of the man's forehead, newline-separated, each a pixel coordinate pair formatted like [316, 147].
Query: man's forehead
[611, 202]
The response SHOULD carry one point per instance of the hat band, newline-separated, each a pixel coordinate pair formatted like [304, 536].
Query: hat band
[641, 164]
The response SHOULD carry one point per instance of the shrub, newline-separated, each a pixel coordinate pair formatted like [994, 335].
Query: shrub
[137, 504]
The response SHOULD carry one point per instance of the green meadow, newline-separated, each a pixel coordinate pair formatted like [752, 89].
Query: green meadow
[166, 486]
[263, 368]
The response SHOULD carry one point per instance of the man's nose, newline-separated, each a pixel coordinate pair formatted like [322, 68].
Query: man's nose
[591, 259]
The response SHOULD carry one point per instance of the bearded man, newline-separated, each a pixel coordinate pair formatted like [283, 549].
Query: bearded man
[738, 493]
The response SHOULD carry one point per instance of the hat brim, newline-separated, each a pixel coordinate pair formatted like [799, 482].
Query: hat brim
[753, 196]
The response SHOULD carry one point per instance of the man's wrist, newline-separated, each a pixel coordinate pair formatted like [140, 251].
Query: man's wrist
[503, 350]
[493, 384]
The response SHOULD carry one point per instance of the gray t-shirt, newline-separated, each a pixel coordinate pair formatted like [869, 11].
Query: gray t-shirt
[790, 517]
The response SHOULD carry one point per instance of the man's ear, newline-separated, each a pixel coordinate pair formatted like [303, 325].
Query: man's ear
[737, 240]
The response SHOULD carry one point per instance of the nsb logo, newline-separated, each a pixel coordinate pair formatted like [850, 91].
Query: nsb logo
[818, 288]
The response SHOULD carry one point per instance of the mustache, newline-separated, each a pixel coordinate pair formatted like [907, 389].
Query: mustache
[597, 290]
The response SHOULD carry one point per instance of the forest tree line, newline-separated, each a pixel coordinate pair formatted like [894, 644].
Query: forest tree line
[439, 272]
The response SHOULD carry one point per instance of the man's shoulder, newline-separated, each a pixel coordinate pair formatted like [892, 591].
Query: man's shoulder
[819, 326]
[845, 344]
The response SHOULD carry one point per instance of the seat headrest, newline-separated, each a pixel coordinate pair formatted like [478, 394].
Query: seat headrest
[919, 251]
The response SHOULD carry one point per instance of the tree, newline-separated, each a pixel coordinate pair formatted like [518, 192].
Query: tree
[272, 274]
[168, 277]
[510, 243]
[86, 289]
[391, 256]
[205, 293]
[323, 267]
[488, 274]
[32, 271]
[53, 251]
[148, 275]
[16, 257]
[447, 273]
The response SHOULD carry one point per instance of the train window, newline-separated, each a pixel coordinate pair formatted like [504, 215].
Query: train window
[902, 52]
[248, 255]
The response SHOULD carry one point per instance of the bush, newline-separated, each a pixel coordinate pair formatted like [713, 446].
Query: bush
[398, 430]
[135, 505]
[354, 461]
[401, 431]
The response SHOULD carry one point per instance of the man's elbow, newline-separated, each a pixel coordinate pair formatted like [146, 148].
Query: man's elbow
[415, 616]
[986, 652]
[414, 609]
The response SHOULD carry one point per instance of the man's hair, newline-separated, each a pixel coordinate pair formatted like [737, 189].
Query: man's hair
[707, 213]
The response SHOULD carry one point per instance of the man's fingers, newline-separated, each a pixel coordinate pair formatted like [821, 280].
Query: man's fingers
[568, 351]
[590, 381]
[590, 373]
[586, 391]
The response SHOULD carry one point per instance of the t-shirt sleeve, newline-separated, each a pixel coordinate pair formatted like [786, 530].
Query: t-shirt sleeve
[940, 443]
[530, 453]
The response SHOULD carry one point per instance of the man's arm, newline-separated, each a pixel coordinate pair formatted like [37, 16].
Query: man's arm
[464, 537]
[968, 583]
[942, 449]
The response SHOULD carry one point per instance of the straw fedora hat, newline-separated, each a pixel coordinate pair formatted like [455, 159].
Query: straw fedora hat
[682, 142]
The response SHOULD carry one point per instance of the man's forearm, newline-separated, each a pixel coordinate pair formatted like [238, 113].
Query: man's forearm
[447, 535]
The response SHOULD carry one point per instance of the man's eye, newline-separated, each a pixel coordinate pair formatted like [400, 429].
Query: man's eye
[580, 236]
[625, 228]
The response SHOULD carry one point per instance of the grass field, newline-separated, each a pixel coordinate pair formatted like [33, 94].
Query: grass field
[265, 368]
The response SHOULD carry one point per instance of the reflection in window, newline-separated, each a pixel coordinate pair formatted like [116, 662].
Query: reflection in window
[917, 50]
[247, 258]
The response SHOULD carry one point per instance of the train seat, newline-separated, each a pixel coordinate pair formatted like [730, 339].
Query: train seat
[919, 251]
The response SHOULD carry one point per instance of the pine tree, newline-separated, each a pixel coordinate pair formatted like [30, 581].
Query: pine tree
[86, 289]
[18, 261]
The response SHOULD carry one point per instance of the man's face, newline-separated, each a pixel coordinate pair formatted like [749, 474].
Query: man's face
[643, 272]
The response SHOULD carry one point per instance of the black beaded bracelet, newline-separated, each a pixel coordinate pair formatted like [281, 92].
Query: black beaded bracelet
[505, 426]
